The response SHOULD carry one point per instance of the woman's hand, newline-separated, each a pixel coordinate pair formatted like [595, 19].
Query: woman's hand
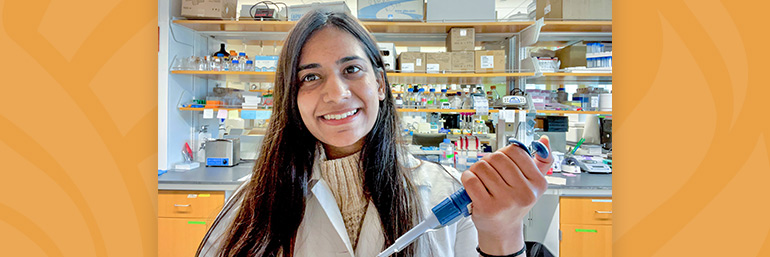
[504, 186]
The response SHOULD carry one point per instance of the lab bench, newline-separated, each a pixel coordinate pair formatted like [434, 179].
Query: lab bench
[545, 223]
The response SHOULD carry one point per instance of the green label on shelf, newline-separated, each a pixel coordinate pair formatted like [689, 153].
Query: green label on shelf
[197, 222]
[585, 230]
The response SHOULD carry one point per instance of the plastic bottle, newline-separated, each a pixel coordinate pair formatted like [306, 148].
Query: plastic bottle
[457, 101]
[242, 62]
[495, 96]
[218, 62]
[421, 98]
[432, 101]
[467, 102]
[410, 98]
[234, 66]
[443, 101]
[447, 153]
[561, 95]
[249, 66]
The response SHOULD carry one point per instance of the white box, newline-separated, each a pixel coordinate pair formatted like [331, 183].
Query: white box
[296, 11]
[460, 11]
[391, 10]
[388, 53]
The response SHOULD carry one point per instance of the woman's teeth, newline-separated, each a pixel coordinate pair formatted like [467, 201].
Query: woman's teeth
[340, 116]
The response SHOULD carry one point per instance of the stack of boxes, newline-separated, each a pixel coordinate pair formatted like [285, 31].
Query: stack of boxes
[460, 57]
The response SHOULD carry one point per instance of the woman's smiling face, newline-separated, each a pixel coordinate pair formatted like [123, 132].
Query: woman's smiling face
[339, 93]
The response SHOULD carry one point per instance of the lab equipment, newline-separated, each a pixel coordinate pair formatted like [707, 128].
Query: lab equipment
[514, 101]
[454, 207]
[223, 152]
[589, 164]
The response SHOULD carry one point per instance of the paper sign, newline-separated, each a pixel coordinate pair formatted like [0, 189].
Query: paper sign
[432, 67]
[232, 115]
[222, 114]
[509, 115]
[255, 115]
[487, 61]
[248, 114]
[418, 62]
[208, 113]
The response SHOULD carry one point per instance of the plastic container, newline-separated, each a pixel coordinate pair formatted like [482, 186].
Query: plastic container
[409, 98]
[432, 99]
[562, 96]
[443, 101]
[447, 153]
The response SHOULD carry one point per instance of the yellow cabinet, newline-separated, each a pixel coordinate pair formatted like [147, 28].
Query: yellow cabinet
[183, 219]
[586, 227]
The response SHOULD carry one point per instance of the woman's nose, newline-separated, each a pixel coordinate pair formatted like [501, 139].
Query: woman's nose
[335, 90]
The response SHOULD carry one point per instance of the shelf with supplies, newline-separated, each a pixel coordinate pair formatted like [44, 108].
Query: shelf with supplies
[420, 110]
[406, 33]
[401, 27]
[223, 108]
[571, 77]
[498, 110]
[394, 77]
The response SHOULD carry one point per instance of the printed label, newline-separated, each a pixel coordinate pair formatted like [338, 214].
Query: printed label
[407, 67]
[418, 62]
[192, 196]
[463, 32]
[487, 61]
[594, 102]
[432, 67]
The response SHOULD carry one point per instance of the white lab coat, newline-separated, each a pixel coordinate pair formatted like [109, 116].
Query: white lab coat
[322, 231]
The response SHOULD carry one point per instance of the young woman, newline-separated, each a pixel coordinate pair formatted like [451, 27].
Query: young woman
[333, 180]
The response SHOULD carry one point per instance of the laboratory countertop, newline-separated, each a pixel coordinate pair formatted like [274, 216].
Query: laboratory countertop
[229, 178]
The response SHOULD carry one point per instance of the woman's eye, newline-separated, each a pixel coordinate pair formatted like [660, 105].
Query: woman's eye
[352, 69]
[309, 78]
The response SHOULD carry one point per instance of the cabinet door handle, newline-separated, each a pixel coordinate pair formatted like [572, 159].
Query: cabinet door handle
[181, 205]
[604, 212]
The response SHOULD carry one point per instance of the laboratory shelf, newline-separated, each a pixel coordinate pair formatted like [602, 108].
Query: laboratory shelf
[577, 26]
[402, 27]
[373, 26]
[224, 108]
[394, 77]
[497, 110]
[571, 77]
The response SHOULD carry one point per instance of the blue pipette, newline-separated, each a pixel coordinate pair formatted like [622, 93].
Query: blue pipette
[451, 209]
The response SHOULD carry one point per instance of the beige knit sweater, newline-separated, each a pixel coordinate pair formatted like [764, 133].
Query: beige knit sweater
[346, 183]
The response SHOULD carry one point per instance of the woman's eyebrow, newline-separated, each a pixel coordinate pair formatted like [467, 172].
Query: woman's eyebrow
[340, 61]
[348, 58]
[308, 66]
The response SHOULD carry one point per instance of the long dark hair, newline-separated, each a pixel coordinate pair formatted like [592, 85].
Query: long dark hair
[273, 202]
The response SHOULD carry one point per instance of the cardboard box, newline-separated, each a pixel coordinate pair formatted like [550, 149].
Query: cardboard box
[572, 56]
[574, 9]
[463, 62]
[411, 62]
[460, 11]
[460, 39]
[209, 9]
[490, 61]
[391, 10]
[438, 62]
